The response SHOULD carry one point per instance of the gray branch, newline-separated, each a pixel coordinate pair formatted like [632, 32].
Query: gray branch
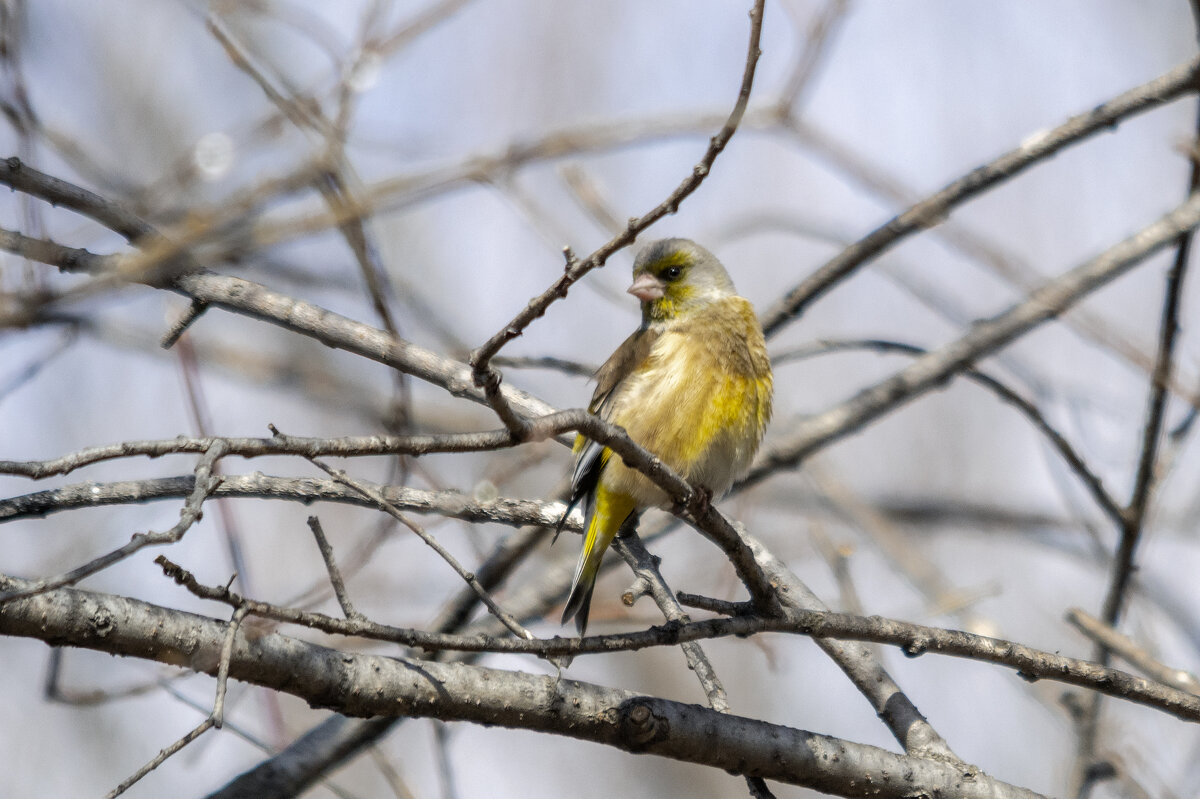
[933, 370]
[454, 504]
[368, 685]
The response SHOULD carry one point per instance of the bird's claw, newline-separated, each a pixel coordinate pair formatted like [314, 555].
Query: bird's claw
[703, 499]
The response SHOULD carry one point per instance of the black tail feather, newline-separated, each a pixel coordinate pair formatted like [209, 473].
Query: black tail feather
[579, 604]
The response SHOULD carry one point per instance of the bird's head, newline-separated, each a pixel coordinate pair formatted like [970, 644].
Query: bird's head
[674, 276]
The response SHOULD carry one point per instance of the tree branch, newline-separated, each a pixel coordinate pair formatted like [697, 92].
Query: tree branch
[368, 685]
[306, 490]
[1075, 462]
[480, 358]
[205, 481]
[931, 371]
[935, 208]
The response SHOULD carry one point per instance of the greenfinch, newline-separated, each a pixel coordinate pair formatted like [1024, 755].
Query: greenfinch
[691, 385]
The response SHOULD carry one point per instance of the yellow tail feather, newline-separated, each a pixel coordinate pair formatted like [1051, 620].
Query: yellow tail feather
[609, 512]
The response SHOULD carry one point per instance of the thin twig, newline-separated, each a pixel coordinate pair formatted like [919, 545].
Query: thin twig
[161, 757]
[35, 365]
[894, 708]
[180, 326]
[713, 605]
[817, 41]
[205, 483]
[563, 365]
[1133, 520]
[823, 626]
[381, 501]
[1074, 461]
[390, 774]
[441, 737]
[645, 566]
[54, 691]
[504, 558]
[484, 375]
[335, 576]
[218, 712]
[215, 718]
[1135, 513]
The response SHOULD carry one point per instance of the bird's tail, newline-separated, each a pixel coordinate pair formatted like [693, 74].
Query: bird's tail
[609, 513]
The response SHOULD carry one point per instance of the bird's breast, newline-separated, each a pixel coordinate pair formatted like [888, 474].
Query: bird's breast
[702, 398]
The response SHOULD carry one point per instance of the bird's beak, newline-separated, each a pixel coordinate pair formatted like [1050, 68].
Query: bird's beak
[647, 288]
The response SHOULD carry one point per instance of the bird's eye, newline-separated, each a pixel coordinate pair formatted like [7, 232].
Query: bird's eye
[672, 272]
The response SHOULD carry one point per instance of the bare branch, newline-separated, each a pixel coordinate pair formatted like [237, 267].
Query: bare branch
[1130, 651]
[335, 576]
[1135, 515]
[341, 447]
[205, 482]
[1133, 519]
[370, 685]
[382, 503]
[708, 519]
[161, 757]
[818, 38]
[645, 566]
[215, 719]
[932, 210]
[485, 375]
[930, 371]
[826, 627]
[1066, 451]
[454, 504]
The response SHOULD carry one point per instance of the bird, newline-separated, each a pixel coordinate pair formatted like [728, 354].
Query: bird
[692, 385]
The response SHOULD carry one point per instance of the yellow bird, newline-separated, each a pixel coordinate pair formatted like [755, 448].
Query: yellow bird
[692, 385]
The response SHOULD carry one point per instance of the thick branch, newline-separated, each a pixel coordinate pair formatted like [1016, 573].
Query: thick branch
[830, 630]
[366, 685]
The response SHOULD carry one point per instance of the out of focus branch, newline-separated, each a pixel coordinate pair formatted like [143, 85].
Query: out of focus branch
[932, 370]
[1133, 519]
[485, 376]
[932, 210]
[1133, 653]
[1073, 459]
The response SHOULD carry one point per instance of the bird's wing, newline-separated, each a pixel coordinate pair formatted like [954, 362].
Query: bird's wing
[590, 457]
[629, 356]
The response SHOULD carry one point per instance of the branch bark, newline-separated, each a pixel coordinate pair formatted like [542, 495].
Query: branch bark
[367, 685]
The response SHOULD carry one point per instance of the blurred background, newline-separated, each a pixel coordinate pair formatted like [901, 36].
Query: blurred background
[480, 137]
